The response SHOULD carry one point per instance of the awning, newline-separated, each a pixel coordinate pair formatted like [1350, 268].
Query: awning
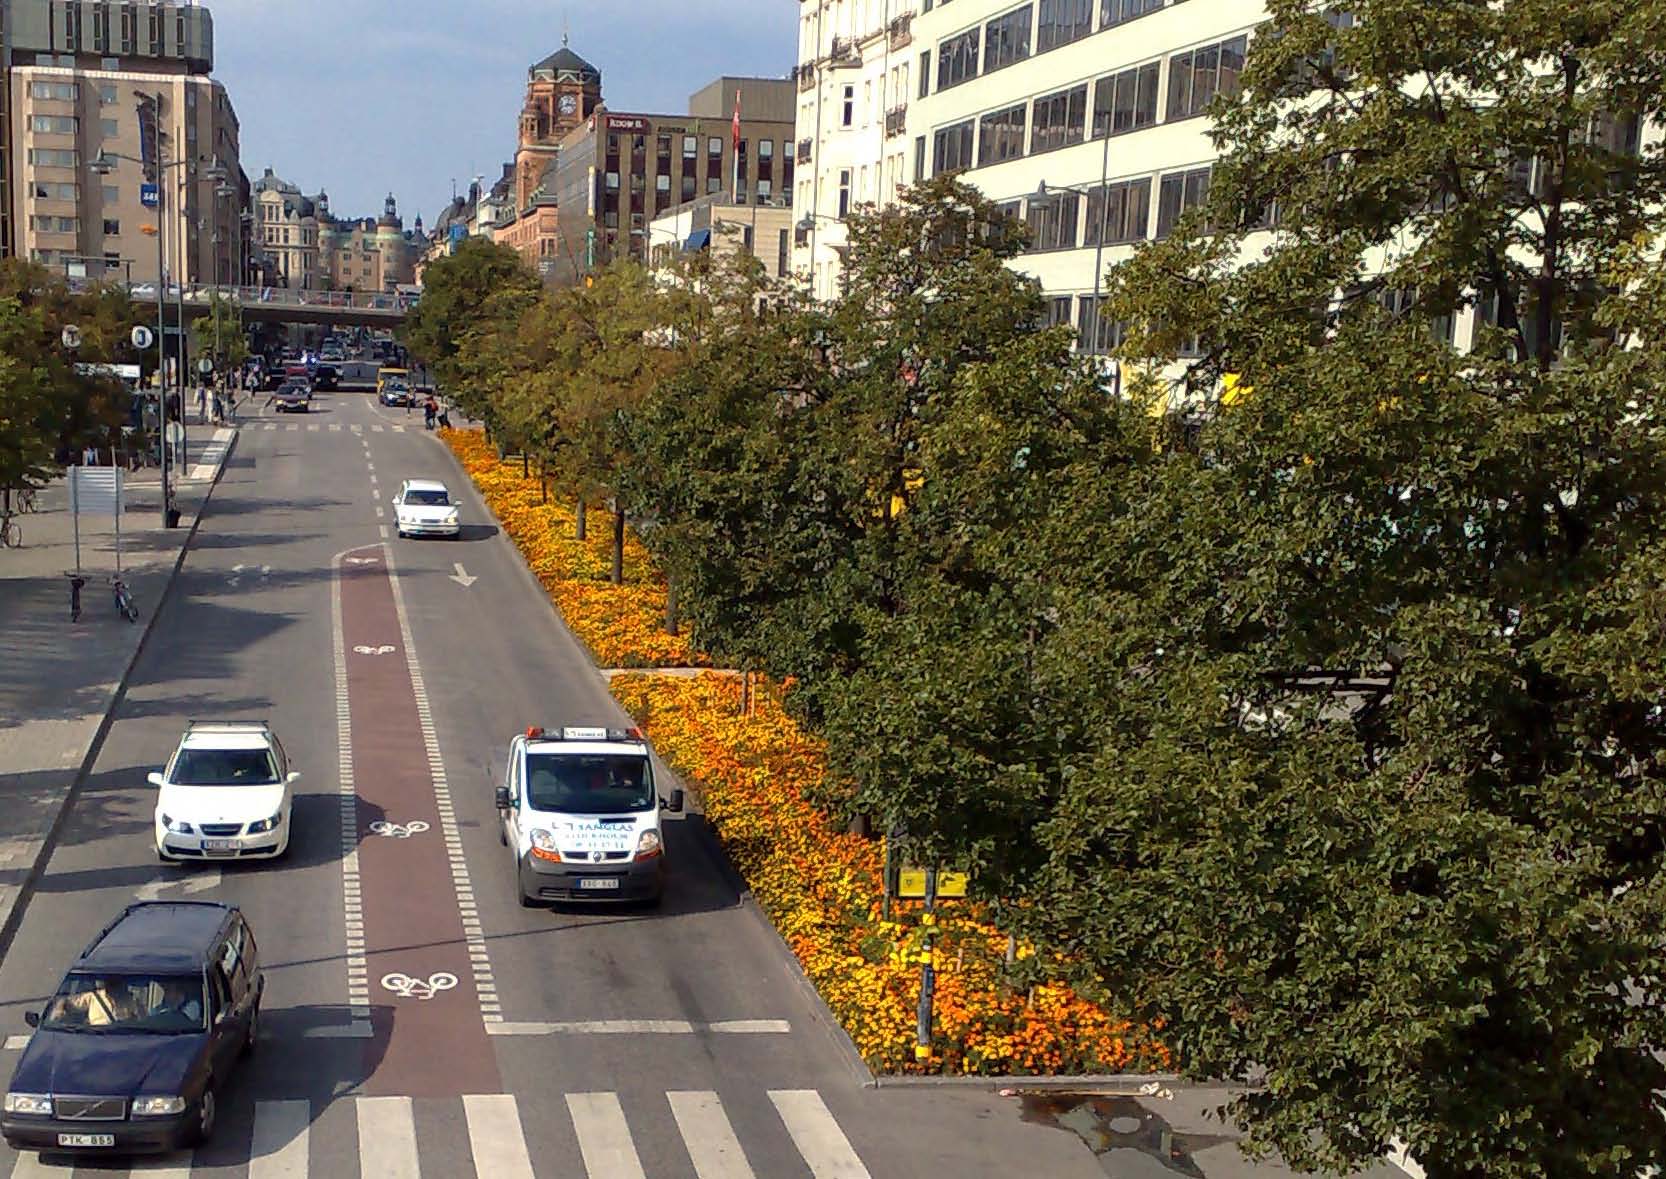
[698, 240]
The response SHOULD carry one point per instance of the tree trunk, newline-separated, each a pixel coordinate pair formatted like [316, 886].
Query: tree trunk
[526, 465]
[618, 577]
[543, 484]
[670, 606]
[579, 515]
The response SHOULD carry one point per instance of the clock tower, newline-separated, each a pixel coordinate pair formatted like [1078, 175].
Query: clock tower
[561, 92]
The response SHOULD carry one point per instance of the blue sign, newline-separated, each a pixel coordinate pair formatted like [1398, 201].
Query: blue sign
[150, 195]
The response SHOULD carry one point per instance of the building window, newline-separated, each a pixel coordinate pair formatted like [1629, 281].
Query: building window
[662, 150]
[107, 93]
[1115, 12]
[612, 182]
[53, 190]
[1122, 211]
[48, 224]
[714, 147]
[951, 148]
[688, 187]
[919, 158]
[780, 253]
[1053, 222]
[1001, 135]
[53, 124]
[766, 189]
[111, 194]
[1098, 335]
[112, 228]
[844, 191]
[848, 107]
[55, 91]
[714, 184]
[766, 158]
[1060, 119]
[925, 73]
[1178, 192]
[1006, 39]
[957, 59]
[109, 128]
[1126, 101]
[52, 157]
[1197, 75]
[1057, 312]
[1059, 22]
[691, 146]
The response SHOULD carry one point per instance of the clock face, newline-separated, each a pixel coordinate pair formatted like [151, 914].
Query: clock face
[568, 103]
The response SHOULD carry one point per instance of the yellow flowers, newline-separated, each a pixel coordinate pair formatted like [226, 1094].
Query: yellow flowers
[819, 884]
[622, 625]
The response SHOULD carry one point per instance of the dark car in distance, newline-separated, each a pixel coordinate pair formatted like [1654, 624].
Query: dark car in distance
[325, 378]
[293, 397]
[146, 1028]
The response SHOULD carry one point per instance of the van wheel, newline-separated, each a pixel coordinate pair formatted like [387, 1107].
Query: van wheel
[207, 1116]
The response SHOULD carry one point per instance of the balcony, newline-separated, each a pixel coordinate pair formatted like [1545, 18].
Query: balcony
[844, 53]
[803, 151]
[896, 121]
[902, 31]
[806, 75]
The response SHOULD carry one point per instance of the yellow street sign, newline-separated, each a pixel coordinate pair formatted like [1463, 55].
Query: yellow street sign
[911, 882]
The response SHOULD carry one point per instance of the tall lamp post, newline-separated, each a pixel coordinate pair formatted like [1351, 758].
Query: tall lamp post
[1044, 192]
[103, 165]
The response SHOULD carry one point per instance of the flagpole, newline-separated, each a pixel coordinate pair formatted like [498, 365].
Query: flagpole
[734, 181]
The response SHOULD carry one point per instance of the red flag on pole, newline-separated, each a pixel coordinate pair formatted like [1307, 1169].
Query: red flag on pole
[734, 132]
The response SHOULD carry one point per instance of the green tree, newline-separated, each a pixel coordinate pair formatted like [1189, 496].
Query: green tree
[219, 335]
[455, 292]
[1422, 900]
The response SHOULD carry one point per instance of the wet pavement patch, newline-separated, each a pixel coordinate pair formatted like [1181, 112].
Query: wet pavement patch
[1128, 1139]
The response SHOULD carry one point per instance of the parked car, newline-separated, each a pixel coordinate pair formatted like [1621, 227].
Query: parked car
[148, 1025]
[224, 794]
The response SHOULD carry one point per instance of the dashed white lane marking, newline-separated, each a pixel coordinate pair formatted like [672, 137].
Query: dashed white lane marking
[312, 427]
[356, 428]
[474, 934]
[29, 1166]
[383, 529]
[279, 1146]
[387, 1138]
[495, 1137]
[711, 1141]
[399, 429]
[358, 974]
[14, 1042]
[817, 1136]
[604, 1139]
[162, 1168]
[639, 1027]
[335, 427]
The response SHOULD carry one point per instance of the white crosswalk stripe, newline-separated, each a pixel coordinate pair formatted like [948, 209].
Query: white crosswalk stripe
[387, 1138]
[817, 1136]
[312, 427]
[292, 427]
[335, 427]
[375, 429]
[279, 1147]
[710, 1138]
[495, 1137]
[604, 1139]
[399, 429]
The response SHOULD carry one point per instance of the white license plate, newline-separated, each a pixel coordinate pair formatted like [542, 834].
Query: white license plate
[219, 845]
[86, 1140]
[601, 883]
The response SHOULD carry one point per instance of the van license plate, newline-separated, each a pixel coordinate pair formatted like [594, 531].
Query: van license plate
[597, 882]
[86, 1140]
[219, 845]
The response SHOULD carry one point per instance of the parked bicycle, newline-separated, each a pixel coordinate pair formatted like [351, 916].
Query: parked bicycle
[11, 536]
[124, 599]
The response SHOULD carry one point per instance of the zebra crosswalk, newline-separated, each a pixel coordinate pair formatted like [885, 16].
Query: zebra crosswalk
[393, 1138]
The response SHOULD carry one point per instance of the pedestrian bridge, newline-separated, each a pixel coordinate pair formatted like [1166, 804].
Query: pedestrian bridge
[283, 305]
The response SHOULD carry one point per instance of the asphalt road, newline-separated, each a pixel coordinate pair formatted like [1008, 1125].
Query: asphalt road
[417, 1020]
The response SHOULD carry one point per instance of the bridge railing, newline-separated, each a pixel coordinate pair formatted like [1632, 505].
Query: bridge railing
[395, 304]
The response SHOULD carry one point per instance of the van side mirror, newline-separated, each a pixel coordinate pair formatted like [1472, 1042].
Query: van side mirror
[504, 802]
[32, 1018]
[154, 777]
[675, 803]
[294, 775]
[398, 501]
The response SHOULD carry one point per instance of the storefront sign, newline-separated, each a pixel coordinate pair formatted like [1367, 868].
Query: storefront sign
[626, 123]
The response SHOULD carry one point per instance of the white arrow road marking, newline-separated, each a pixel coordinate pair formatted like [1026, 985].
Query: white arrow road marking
[200, 882]
[462, 577]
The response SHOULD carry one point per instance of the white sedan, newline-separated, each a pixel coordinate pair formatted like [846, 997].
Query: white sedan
[224, 794]
[424, 507]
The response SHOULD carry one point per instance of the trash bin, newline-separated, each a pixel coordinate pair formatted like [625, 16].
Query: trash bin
[173, 517]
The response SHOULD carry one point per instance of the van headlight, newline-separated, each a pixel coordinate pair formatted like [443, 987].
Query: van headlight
[266, 824]
[177, 826]
[29, 1103]
[648, 845]
[155, 1107]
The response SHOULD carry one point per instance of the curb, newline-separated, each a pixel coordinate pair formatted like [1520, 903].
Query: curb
[1128, 1084]
[49, 842]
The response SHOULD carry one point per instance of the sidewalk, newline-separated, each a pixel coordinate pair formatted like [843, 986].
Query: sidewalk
[58, 680]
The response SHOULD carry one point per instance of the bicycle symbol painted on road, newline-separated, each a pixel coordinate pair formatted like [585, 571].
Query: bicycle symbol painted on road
[382, 650]
[407, 987]
[398, 830]
[363, 561]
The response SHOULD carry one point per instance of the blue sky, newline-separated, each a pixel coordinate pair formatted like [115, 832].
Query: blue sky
[362, 96]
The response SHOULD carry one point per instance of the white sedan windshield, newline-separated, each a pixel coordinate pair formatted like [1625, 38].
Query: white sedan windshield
[224, 767]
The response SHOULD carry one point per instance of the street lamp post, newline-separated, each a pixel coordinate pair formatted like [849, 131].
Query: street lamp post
[1044, 191]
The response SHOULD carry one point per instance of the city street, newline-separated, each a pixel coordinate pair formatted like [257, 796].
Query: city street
[417, 1020]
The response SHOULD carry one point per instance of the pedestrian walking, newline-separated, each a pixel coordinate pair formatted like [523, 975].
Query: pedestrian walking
[202, 403]
[430, 410]
[445, 417]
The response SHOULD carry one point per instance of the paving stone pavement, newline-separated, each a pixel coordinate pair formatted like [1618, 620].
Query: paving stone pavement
[58, 679]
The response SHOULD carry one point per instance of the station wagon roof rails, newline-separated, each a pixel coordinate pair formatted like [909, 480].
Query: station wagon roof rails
[198, 726]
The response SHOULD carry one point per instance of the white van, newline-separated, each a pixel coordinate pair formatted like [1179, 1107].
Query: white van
[579, 809]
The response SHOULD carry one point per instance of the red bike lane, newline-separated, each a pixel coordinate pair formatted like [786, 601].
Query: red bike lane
[428, 1036]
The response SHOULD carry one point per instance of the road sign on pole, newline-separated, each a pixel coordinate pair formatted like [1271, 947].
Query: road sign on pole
[205, 366]
[150, 195]
[142, 337]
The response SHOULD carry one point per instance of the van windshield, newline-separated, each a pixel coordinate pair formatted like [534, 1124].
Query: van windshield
[224, 767]
[166, 1004]
[589, 783]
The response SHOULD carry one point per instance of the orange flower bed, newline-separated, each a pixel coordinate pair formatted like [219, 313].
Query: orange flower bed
[622, 625]
[821, 886]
